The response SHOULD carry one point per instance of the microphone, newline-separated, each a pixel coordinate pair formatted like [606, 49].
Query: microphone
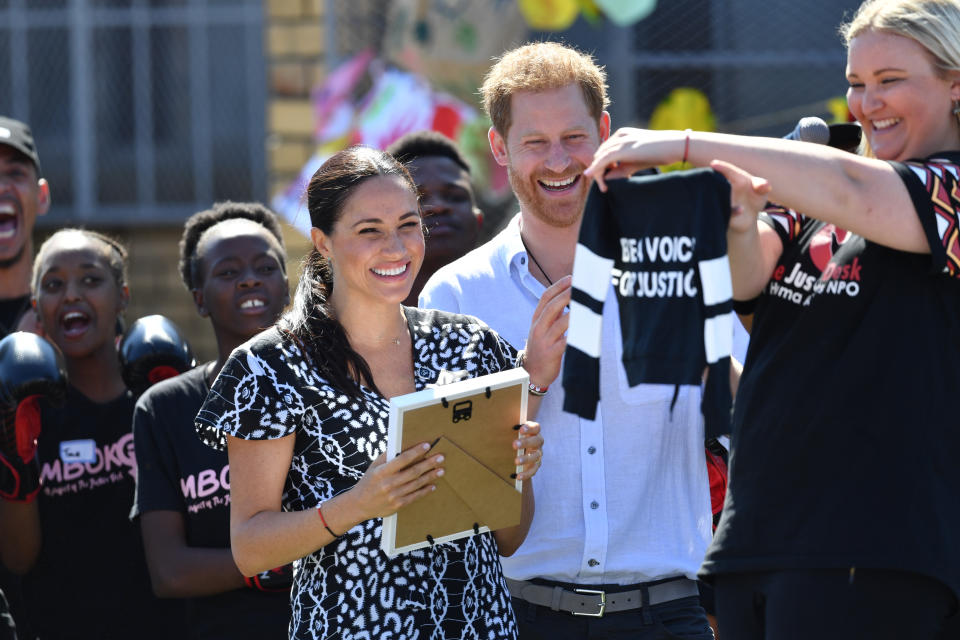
[846, 136]
[810, 129]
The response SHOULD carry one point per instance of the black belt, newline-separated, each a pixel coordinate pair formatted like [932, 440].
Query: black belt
[594, 602]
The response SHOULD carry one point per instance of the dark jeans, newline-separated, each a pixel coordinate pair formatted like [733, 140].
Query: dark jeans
[828, 604]
[681, 618]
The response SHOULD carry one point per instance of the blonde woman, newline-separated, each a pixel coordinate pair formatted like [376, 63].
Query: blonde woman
[841, 520]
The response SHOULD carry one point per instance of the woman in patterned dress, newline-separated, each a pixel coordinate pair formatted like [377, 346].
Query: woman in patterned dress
[303, 409]
[854, 349]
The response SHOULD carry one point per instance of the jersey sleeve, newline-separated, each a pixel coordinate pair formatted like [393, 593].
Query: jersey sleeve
[716, 298]
[156, 488]
[249, 400]
[592, 268]
[498, 354]
[933, 188]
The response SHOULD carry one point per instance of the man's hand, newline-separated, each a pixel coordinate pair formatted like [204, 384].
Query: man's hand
[547, 337]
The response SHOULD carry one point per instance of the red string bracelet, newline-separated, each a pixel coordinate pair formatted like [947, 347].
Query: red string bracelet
[324, 521]
[686, 146]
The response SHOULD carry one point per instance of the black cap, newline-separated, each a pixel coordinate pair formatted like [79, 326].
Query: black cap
[16, 134]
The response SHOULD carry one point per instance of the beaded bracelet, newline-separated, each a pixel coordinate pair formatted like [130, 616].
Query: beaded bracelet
[537, 390]
[324, 521]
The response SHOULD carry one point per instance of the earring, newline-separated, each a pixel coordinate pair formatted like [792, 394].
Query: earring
[956, 108]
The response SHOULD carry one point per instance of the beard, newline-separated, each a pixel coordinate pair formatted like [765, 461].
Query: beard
[7, 263]
[556, 213]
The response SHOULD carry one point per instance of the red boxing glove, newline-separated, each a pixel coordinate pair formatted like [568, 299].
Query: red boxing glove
[276, 580]
[153, 349]
[717, 472]
[32, 369]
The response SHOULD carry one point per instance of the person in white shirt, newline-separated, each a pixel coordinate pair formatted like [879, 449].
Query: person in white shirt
[623, 512]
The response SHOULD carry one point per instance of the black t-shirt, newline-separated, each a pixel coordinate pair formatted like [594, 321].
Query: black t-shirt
[90, 580]
[845, 437]
[11, 311]
[177, 472]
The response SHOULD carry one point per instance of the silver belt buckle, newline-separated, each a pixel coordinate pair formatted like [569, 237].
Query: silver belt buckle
[603, 603]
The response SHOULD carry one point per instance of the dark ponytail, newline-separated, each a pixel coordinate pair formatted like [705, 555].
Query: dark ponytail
[311, 320]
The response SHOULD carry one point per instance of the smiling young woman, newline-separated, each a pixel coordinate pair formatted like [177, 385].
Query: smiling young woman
[303, 412]
[232, 261]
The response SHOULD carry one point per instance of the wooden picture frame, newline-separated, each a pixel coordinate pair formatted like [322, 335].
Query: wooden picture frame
[472, 422]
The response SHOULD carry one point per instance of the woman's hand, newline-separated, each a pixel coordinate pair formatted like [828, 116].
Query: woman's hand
[388, 486]
[531, 442]
[748, 196]
[629, 150]
[547, 337]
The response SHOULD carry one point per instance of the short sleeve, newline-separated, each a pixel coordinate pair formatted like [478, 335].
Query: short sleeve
[252, 398]
[786, 222]
[498, 354]
[934, 188]
[157, 487]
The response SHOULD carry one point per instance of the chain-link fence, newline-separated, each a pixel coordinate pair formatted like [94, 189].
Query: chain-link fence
[144, 110]
[760, 64]
[147, 110]
[741, 66]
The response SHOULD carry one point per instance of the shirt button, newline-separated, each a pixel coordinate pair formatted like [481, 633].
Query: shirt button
[593, 562]
[591, 450]
[594, 505]
[523, 261]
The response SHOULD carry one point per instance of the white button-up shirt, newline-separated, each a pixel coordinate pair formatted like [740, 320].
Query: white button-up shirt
[621, 499]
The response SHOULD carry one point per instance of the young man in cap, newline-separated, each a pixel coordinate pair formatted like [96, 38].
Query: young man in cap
[24, 195]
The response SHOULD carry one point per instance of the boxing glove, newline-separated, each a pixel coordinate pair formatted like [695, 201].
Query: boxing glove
[718, 473]
[275, 580]
[32, 369]
[153, 349]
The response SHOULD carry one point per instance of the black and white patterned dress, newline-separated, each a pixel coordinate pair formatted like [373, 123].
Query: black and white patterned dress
[351, 589]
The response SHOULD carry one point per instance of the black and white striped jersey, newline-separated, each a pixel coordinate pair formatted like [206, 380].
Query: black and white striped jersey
[661, 240]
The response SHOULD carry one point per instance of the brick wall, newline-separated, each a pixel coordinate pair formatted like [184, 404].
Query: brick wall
[155, 286]
[294, 43]
[295, 64]
[293, 40]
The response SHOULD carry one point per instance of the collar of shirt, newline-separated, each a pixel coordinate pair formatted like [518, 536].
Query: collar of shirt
[516, 260]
